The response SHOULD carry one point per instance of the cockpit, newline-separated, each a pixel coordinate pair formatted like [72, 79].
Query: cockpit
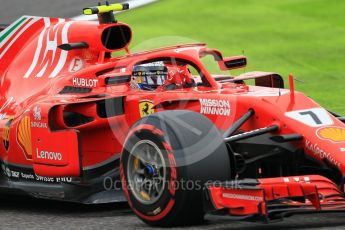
[165, 75]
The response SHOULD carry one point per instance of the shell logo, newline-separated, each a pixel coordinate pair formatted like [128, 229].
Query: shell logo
[335, 134]
[24, 136]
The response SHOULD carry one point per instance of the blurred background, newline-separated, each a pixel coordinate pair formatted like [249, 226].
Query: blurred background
[303, 37]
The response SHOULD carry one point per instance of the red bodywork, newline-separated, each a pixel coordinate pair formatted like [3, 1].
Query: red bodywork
[66, 111]
[275, 198]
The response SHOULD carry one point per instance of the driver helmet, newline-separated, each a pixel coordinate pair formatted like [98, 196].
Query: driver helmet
[148, 76]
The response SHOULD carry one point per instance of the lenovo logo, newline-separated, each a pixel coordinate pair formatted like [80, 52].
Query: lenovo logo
[47, 155]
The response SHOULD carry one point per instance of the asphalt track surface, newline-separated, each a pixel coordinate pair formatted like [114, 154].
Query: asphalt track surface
[29, 213]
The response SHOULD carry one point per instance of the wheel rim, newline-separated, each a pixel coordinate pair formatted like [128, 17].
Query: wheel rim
[146, 172]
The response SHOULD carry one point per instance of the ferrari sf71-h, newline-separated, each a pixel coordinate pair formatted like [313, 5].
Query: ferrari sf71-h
[171, 127]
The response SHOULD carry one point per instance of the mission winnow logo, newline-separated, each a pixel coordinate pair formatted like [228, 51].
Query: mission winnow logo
[215, 107]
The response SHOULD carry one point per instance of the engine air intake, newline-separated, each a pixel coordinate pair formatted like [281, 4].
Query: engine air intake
[116, 37]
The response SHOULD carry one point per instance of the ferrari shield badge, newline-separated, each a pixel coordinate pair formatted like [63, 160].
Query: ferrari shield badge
[6, 134]
[146, 108]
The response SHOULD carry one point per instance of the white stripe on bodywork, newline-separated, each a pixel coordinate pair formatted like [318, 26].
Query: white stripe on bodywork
[34, 20]
[38, 49]
[52, 45]
[7, 103]
[64, 53]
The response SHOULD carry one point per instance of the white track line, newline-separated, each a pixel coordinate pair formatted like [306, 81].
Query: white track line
[132, 5]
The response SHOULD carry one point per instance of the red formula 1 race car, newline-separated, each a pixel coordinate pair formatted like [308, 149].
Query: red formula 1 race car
[184, 136]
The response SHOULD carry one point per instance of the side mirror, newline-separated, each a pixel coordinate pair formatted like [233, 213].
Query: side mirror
[231, 63]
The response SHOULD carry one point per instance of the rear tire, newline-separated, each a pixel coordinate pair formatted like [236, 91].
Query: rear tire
[192, 152]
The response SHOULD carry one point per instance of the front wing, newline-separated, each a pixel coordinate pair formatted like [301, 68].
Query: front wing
[273, 199]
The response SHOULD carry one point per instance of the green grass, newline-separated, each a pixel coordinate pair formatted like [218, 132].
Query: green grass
[303, 37]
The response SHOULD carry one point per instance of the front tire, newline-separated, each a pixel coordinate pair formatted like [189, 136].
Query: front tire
[167, 159]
